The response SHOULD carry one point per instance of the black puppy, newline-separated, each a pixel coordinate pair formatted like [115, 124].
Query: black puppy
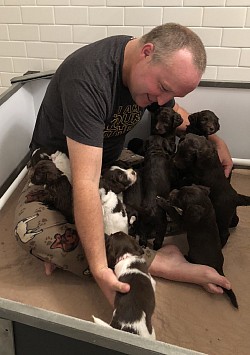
[155, 181]
[133, 310]
[164, 122]
[199, 163]
[192, 207]
[203, 123]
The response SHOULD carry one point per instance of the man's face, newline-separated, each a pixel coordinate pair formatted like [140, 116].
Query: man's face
[160, 82]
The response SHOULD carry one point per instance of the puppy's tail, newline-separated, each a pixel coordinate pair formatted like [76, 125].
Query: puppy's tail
[232, 297]
[100, 322]
[243, 200]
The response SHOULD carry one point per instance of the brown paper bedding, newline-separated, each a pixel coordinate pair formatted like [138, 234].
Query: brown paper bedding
[185, 314]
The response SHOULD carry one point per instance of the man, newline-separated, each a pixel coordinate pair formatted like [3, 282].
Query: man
[95, 97]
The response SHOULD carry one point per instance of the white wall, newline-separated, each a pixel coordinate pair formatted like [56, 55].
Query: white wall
[16, 127]
[39, 34]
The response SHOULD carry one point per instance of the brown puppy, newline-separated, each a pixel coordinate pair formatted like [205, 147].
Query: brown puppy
[133, 310]
[198, 161]
[45, 172]
[57, 190]
[203, 123]
[192, 208]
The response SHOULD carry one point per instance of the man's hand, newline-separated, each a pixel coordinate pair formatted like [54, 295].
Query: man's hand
[224, 154]
[109, 284]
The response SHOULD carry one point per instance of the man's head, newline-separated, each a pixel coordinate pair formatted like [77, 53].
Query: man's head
[169, 62]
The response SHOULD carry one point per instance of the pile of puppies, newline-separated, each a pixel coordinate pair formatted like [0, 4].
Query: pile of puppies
[197, 196]
[184, 186]
[124, 254]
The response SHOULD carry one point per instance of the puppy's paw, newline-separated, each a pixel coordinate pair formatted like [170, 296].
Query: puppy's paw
[162, 202]
[100, 322]
[132, 220]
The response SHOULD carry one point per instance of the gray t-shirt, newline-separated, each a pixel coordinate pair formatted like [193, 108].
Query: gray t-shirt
[87, 101]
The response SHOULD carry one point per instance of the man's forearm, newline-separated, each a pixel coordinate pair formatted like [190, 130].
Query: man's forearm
[89, 223]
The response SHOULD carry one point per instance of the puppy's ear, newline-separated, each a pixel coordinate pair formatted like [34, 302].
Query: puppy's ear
[116, 186]
[177, 120]
[138, 249]
[194, 213]
[193, 118]
[205, 189]
[110, 253]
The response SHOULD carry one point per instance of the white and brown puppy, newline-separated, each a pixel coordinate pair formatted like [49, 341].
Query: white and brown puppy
[133, 310]
[40, 163]
[112, 183]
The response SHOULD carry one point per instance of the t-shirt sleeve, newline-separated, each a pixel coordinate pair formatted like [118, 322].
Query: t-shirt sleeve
[84, 112]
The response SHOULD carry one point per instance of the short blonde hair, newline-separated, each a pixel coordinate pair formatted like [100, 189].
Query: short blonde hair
[171, 37]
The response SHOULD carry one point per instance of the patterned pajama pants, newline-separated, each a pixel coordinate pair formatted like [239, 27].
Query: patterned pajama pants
[46, 234]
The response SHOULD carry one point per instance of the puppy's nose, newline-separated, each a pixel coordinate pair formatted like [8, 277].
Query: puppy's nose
[131, 171]
[211, 129]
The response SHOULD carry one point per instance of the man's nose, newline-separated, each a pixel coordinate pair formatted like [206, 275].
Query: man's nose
[163, 98]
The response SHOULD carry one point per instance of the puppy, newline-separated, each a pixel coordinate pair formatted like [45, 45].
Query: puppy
[199, 163]
[155, 181]
[60, 196]
[112, 183]
[45, 172]
[133, 310]
[192, 207]
[164, 122]
[203, 123]
[57, 190]
[132, 198]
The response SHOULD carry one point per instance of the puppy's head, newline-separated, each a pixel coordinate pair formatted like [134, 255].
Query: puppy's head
[167, 121]
[118, 179]
[205, 121]
[41, 154]
[191, 202]
[194, 151]
[45, 172]
[118, 244]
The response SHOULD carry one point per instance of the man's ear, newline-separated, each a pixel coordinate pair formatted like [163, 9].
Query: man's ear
[194, 213]
[147, 50]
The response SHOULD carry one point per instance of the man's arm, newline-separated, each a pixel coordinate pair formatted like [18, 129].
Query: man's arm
[223, 151]
[86, 164]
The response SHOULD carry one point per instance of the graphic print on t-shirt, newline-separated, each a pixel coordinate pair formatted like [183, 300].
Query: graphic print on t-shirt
[124, 119]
